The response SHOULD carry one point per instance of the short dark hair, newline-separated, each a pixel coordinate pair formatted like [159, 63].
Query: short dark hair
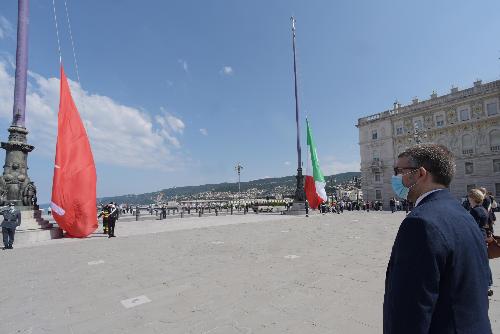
[436, 159]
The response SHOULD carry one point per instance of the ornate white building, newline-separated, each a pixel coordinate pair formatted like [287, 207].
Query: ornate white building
[466, 121]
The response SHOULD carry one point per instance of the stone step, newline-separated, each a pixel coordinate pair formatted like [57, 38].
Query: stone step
[29, 237]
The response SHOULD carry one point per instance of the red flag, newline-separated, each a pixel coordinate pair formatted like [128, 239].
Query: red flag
[74, 185]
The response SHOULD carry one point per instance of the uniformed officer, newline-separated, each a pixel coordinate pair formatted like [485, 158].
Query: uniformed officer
[113, 216]
[105, 218]
[11, 220]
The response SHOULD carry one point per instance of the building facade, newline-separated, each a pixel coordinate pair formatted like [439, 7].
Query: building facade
[466, 121]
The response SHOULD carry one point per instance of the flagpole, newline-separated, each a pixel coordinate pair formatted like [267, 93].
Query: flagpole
[15, 185]
[299, 191]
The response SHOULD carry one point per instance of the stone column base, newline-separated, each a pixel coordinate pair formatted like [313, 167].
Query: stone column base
[32, 220]
[297, 209]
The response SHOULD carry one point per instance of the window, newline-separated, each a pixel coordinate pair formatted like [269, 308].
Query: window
[418, 124]
[491, 108]
[470, 187]
[378, 194]
[399, 129]
[467, 144]
[464, 114]
[376, 156]
[374, 134]
[497, 189]
[496, 165]
[439, 121]
[469, 168]
[377, 177]
[495, 140]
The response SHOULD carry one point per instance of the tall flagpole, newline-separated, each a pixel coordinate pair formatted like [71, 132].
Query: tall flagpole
[300, 195]
[15, 185]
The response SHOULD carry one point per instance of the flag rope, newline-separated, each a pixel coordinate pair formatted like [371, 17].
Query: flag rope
[57, 32]
[72, 43]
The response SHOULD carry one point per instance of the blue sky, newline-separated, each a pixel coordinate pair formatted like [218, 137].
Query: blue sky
[177, 92]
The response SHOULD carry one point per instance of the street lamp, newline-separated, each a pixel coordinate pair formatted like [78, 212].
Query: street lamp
[238, 168]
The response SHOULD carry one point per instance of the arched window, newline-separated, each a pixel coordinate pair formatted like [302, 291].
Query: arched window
[495, 140]
[467, 144]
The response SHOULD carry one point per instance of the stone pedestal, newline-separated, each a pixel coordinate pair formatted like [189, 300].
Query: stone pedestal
[34, 228]
[297, 209]
[32, 220]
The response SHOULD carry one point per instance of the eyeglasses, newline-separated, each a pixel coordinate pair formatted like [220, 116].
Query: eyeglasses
[399, 170]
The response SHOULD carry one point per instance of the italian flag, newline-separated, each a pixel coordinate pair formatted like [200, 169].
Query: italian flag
[315, 183]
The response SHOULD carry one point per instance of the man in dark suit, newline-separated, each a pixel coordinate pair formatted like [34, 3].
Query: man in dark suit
[437, 276]
[11, 220]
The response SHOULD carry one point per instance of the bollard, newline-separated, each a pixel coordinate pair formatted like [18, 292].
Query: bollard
[216, 212]
[136, 213]
[182, 213]
[244, 212]
[231, 210]
[199, 213]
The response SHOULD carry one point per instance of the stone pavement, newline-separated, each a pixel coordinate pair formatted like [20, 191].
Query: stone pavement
[231, 274]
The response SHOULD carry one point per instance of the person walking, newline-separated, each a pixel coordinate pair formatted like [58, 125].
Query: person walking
[392, 204]
[11, 220]
[437, 275]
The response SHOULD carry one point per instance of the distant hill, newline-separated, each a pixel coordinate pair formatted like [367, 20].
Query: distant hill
[256, 188]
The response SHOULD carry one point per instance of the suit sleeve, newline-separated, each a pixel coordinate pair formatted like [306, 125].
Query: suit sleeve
[476, 217]
[418, 259]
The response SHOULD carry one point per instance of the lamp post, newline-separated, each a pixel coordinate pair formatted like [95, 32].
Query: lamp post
[238, 168]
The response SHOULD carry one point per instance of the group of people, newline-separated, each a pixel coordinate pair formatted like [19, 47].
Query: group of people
[397, 205]
[109, 213]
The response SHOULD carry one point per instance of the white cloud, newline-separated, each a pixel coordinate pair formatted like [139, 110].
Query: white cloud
[227, 70]
[204, 132]
[119, 134]
[6, 29]
[287, 163]
[184, 65]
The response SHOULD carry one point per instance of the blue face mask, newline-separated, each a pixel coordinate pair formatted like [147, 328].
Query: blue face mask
[398, 187]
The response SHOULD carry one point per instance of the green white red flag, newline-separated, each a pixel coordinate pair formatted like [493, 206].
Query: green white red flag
[315, 181]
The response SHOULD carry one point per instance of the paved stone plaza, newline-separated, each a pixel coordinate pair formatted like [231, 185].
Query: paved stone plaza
[227, 274]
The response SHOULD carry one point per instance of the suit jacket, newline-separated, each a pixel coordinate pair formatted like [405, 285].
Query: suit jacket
[481, 217]
[437, 276]
[11, 219]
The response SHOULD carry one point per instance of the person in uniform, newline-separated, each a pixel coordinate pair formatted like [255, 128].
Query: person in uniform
[11, 220]
[105, 218]
[113, 217]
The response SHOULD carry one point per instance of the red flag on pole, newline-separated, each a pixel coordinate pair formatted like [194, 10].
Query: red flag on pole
[74, 185]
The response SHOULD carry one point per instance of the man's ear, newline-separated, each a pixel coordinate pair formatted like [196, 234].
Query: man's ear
[423, 172]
